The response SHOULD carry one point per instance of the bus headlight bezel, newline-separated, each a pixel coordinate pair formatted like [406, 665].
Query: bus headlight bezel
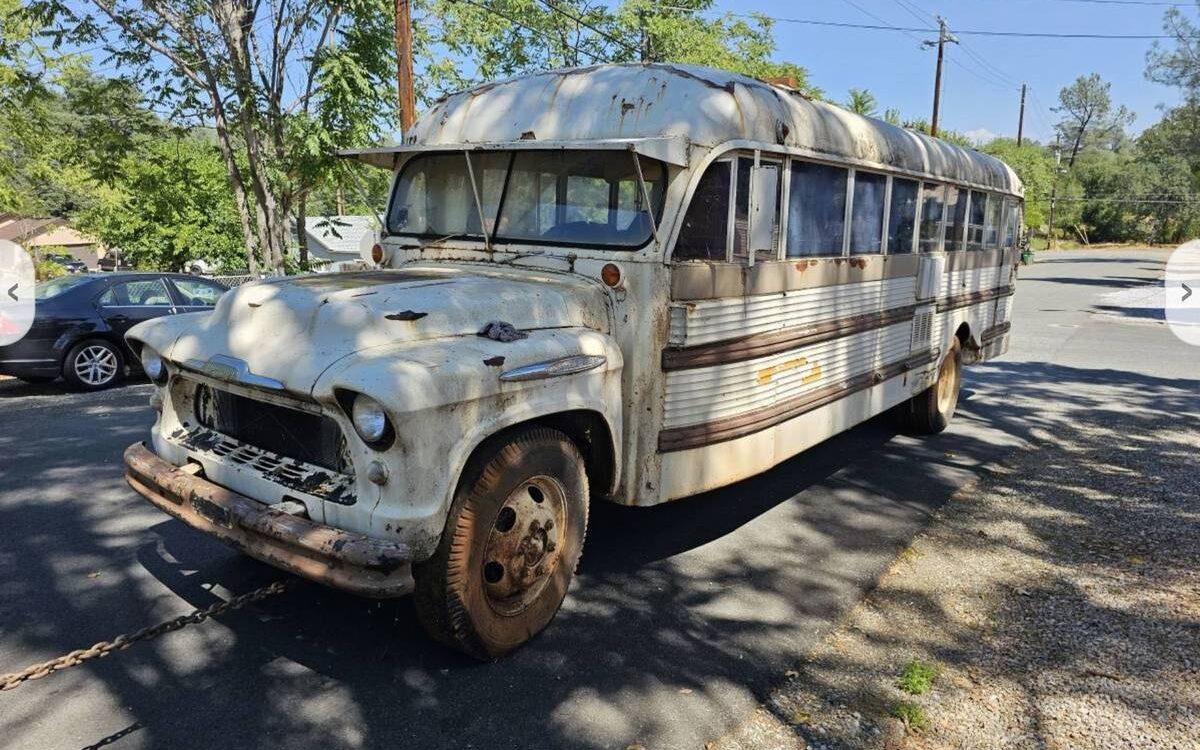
[154, 366]
[371, 422]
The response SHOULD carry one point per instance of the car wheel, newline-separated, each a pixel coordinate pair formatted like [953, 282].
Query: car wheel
[512, 540]
[930, 411]
[92, 365]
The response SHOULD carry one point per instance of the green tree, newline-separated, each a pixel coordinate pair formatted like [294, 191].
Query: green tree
[1089, 118]
[171, 205]
[1034, 164]
[463, 43]
[281, 84]
[862, 102]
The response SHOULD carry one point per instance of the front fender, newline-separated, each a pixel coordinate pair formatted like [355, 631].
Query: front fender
[444, 398]
[160, 334]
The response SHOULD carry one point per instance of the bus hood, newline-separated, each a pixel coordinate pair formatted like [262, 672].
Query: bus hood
[292, 330]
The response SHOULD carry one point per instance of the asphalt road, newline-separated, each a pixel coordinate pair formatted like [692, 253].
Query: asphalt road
[682, 616]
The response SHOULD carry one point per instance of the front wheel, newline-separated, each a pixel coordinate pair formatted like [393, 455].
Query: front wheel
[929, 412]
[512, 540]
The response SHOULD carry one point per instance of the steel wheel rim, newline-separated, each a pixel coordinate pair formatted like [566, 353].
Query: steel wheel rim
[947, 384]
[524, 545]
[96, 365]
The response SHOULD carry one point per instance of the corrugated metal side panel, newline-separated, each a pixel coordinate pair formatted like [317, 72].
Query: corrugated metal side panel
[705, 394]
[1004, 309]
[978, 317]
[715, 320]
[971, 280]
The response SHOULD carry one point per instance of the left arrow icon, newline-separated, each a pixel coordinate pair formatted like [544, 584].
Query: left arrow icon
[12, 292]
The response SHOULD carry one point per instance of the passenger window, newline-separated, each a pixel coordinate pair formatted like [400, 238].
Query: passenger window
[978, 215]
[705, 231]
[866, 218]
[150, 292]
[956, 218]
[816, 210]
[992, 222]
[741, 211]
[1012, 223]
[902, 216]
[931, 217]
[756, 213]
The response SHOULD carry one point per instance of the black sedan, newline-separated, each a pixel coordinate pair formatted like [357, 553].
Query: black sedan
[79, 327]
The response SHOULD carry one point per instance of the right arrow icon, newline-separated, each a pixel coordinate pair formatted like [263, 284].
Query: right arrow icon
[1187, 292]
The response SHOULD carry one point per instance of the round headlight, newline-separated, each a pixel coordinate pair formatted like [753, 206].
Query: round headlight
[370, 420]
[153, 365]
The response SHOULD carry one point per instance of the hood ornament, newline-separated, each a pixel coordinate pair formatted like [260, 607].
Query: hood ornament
[234, 370]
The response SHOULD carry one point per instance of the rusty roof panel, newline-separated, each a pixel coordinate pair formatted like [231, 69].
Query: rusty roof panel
[707, 107]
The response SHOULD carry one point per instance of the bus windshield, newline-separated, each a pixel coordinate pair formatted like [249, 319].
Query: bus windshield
[583, 198]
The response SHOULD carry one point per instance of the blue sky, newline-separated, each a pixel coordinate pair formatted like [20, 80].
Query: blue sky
[900, 74]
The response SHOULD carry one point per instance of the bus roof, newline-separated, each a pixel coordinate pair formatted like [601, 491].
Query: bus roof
[652, 102]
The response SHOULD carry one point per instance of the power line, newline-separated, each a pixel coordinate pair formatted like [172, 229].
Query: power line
[1158, 3]
[924, 30]
[985, 78]
[557, 9]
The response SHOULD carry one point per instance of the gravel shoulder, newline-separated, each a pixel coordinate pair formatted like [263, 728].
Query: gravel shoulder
[1056, 598]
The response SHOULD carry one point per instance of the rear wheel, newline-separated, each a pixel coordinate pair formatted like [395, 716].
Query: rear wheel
[930, 411]
[92, 365]
[509, 550]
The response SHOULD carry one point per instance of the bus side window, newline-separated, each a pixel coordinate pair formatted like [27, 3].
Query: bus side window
[931, 217]
[756, 211]
[975, 226]
[866, 213]
[992, 222]
[1012, 223]
[956, 218]
[816, 210]
[705, 234]
[902, 216]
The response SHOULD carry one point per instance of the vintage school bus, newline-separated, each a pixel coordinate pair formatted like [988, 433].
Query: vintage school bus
[630, 283]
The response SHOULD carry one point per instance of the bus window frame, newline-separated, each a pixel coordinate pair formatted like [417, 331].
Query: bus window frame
[788, 158]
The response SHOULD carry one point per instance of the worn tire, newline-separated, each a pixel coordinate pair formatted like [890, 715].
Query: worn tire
[459, 591]
[930, 411]
[93, 348]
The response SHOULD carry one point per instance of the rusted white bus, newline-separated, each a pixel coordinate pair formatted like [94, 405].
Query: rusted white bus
[630, 283]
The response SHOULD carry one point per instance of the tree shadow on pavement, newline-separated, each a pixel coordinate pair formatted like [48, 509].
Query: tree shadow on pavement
[1059, 595]
[681, 618]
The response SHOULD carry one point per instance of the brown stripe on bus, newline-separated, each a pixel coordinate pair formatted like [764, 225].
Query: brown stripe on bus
[731, 428]
[974, 298]
[757, 345]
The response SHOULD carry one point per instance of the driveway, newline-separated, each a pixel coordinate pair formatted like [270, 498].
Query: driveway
[682, 617]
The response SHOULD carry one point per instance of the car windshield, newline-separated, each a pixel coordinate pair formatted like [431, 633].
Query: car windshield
[55, 287]
[588, 198]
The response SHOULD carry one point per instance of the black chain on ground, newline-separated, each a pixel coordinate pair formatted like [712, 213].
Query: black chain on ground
[124, 641]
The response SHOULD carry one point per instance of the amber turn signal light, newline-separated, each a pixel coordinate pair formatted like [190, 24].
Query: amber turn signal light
[610, 274]
[377, 253]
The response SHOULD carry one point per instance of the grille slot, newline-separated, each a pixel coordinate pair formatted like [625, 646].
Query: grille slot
[308, 438]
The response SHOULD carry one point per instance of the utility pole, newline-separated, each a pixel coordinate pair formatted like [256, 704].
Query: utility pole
[644, 46]
[1021, 119]
[1054, 192]
[404, 65]
[944, 36]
